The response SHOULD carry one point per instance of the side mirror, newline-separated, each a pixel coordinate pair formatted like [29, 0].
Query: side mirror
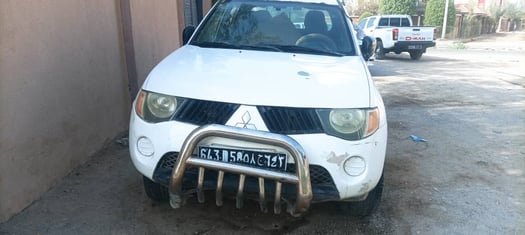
[186, 34]
[368, 47]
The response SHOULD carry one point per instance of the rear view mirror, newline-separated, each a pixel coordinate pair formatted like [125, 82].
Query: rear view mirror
[368, 47]
[186, 34]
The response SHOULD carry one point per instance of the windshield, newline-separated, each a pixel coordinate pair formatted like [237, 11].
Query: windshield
[277, 26]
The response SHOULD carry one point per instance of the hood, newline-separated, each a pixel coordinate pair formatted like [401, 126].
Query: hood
[262, 78]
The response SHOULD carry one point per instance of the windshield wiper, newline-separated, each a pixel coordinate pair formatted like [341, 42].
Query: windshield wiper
[269, 47]
[215, 45]
[236, 46]
[307, 50]
[260, 47]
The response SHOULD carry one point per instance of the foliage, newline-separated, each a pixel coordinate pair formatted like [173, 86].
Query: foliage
[363, 6]
[514, 12]
[364, 15]
[435, 11]
[460, 45]
[420, 7]
[403, 7]
[471, 26]
[496, 12]
[471, 23]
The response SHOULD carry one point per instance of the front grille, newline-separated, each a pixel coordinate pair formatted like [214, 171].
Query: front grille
[285, 120]
[318, 174]
[168, 161]
[281, 120]
[201, 112]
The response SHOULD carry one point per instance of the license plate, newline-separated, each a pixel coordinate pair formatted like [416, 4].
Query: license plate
[415, 47]
[258, 159]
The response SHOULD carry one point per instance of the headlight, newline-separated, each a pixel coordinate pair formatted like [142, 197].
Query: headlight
[161, 106]
[349, 124]
[347, 121]
[155, 107]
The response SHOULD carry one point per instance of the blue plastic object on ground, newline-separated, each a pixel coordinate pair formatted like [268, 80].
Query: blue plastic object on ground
[417, 139]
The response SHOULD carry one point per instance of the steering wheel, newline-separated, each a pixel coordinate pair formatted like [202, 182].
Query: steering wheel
[316, 41]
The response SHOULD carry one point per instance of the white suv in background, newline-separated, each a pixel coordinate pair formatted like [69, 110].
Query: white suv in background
[254, 107]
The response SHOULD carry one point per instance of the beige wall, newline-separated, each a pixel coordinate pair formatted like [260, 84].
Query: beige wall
[207, 4]
[155, 32]
[63, 85]
[63, 92]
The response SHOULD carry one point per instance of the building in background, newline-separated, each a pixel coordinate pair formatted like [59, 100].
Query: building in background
[476, 17]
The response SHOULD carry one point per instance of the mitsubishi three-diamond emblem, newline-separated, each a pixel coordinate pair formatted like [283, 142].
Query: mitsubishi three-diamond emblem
[246, 118]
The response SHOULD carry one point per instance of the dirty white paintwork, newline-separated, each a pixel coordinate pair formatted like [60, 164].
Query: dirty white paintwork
[262, 78]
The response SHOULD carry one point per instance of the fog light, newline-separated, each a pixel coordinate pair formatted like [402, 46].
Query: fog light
[145, 146]
[354, 166]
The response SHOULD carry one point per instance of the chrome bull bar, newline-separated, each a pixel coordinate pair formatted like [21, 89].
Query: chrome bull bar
[301, 177]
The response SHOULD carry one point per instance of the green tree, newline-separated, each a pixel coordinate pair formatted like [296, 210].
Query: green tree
[364, 15]
[403, 7]
[363, 6]
[435, 12]
[496, 12]
[513, 12]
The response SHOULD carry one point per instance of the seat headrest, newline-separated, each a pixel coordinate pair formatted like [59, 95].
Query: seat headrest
[262, 16]
[314, 22]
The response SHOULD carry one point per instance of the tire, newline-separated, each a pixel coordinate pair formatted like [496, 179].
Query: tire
[365, 208]
[380, 51]
[155, 191]
[415, 55]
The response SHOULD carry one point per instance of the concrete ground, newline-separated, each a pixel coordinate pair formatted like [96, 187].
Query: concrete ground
[507, 41]
[467, 179]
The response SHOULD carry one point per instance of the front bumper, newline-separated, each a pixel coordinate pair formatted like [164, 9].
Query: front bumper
[318, 153]
[300, 178]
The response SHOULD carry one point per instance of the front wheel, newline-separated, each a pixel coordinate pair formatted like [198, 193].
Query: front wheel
[155, 191]
[415, 55]
[380, 51]
[366, 207]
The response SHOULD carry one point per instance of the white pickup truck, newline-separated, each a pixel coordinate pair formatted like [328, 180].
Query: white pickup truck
[395, 33]
[256, 106]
